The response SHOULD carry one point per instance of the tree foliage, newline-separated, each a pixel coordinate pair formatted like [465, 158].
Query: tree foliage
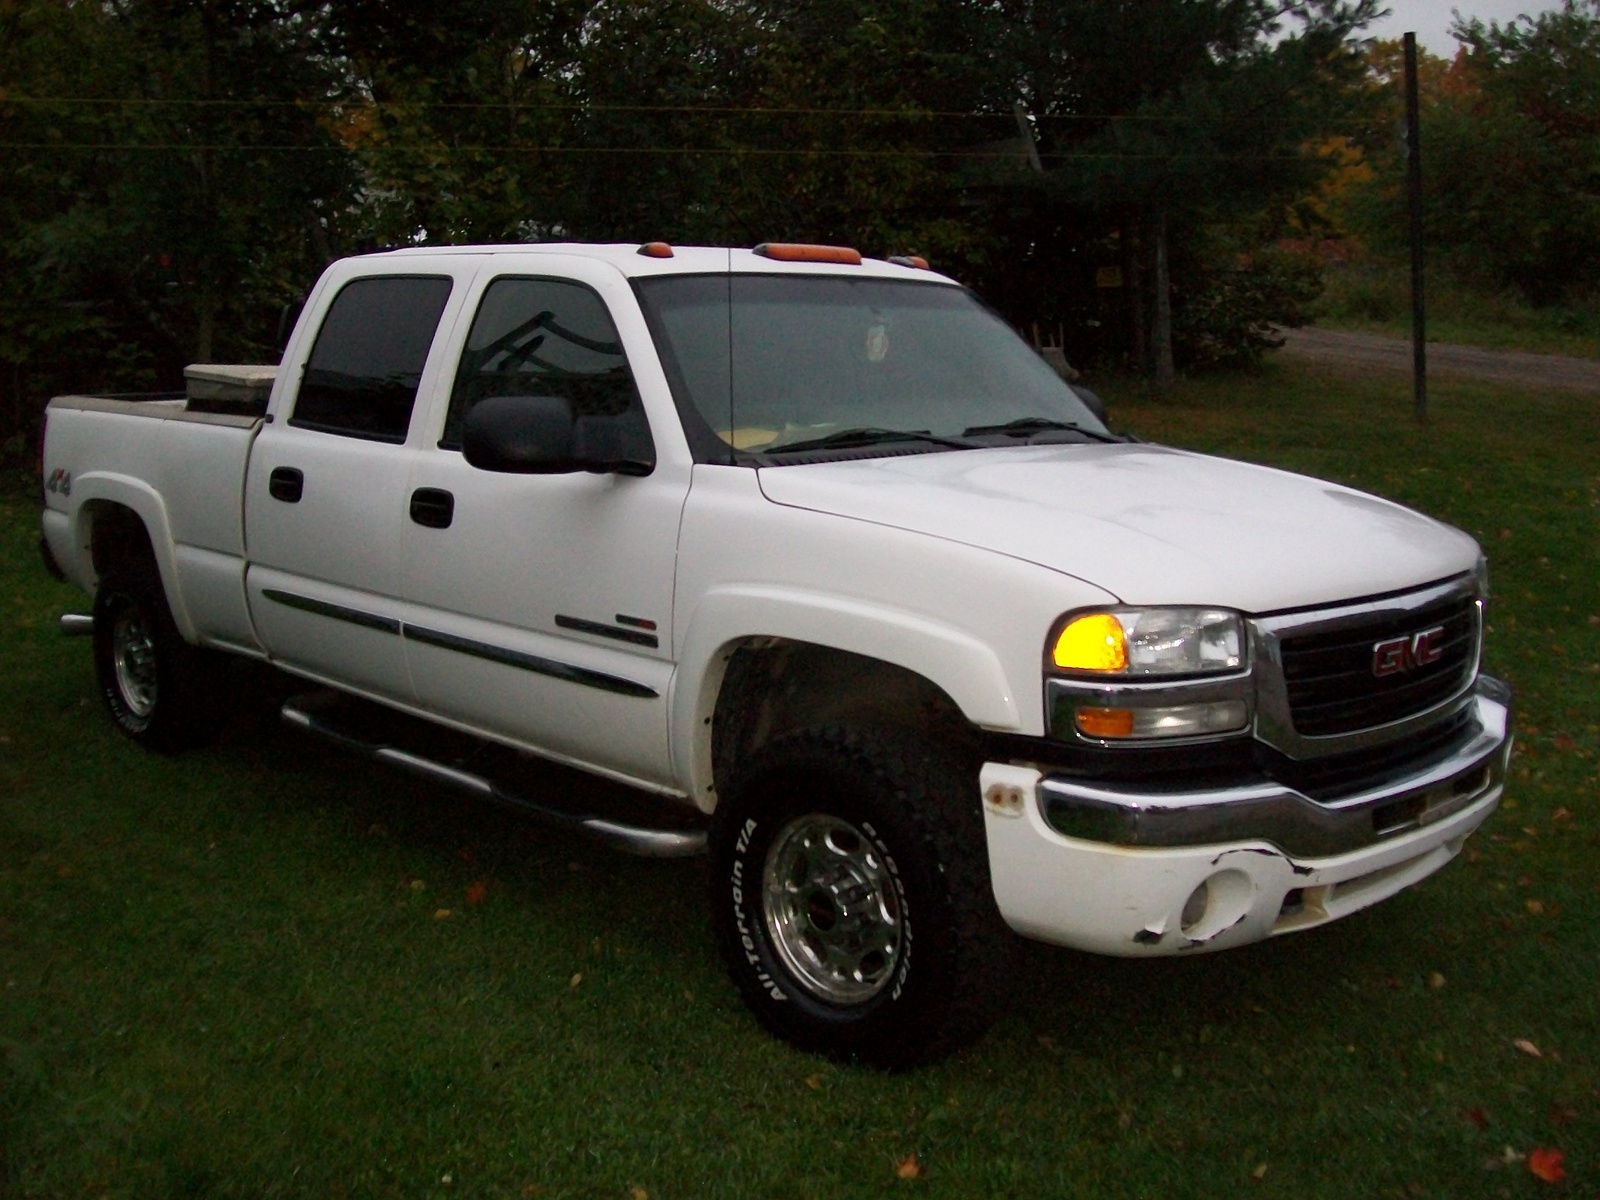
[1510, 155]
[176, 169]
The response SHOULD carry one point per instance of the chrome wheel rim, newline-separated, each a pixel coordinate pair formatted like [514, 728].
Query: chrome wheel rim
[831, 909]
[133, 652]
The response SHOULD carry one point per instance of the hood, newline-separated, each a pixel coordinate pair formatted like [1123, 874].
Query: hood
[1149, 524]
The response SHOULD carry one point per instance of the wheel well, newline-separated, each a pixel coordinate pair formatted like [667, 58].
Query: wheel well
[117, 538]
[772, 686]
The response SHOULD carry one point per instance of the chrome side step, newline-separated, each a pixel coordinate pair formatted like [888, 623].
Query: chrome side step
[317, 714]
[77, 625]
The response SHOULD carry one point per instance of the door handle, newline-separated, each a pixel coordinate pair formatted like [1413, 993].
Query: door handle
[433, 507]
[286, 484]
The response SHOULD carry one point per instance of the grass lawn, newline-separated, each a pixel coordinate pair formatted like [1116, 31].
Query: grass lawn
[254, 971]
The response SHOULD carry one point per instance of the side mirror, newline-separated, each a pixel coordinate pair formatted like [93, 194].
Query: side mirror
[1090, 401]
[538, 435]
[520, 435]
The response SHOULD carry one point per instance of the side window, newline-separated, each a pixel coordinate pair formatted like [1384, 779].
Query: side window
[545, 337]
[361, 379]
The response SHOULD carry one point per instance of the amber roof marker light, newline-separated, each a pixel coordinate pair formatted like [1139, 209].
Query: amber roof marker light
[910, 260]
[800, 252]
[656, 250]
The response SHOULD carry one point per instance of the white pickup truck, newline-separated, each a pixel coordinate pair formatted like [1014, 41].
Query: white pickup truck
[815, 551]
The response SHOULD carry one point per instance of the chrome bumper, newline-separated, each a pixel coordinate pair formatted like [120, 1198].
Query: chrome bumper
[1123, 814]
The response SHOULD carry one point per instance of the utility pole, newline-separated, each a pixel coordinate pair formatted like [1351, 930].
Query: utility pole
[1419, 344]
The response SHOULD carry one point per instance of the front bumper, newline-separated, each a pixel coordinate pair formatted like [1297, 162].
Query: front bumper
[1109, 868]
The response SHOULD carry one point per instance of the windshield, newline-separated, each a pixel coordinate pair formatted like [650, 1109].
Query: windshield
[767, 367]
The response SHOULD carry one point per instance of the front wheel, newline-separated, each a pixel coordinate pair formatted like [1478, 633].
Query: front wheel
[851, 896]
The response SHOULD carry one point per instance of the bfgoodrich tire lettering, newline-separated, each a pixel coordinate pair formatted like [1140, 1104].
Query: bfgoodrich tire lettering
[851, 896]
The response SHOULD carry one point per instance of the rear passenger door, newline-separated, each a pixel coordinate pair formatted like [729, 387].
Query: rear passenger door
[326, 493]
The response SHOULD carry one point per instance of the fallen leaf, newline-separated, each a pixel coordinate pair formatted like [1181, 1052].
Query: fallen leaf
[417, 885]
[1535, 907]
[1509, 1156]
[1473, 854]
[1260, 1172]
[1527, 1047]
[1563, 741]
[1561, 814]
[1478, 1117]
[575, 980]
[441, 914]
[814, 1082]
[476, 892]
[1546, 1164]
[908, 1167]
[1124, 1119]
[1435, 980]
[638, 1193]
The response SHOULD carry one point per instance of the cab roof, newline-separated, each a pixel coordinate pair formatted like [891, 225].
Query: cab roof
[628, 258]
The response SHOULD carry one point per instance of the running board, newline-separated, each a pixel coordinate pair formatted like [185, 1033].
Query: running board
[320, 713]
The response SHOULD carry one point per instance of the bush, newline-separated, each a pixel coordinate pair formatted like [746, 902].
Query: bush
[1233, 318]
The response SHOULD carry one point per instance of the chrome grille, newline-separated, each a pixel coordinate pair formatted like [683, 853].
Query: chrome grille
[1329, 676]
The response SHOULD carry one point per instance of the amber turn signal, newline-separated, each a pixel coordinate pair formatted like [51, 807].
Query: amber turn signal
[1094, 642]
[1105, 722]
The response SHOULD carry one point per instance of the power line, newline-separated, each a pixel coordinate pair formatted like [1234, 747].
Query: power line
[342, 107]
[802, 152]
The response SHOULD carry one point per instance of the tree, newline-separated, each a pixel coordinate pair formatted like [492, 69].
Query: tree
[172, 179]
[1510, 155]
[1160, 120]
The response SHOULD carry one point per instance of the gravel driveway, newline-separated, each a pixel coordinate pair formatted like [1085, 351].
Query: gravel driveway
[1346, 352]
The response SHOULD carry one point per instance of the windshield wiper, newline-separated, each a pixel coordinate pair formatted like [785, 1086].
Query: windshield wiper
[868, 435]
[1028, 426]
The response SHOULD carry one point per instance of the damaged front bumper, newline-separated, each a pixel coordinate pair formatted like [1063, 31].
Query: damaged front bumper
[1109, 868]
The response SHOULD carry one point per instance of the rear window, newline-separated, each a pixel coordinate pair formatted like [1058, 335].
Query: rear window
[361, 379]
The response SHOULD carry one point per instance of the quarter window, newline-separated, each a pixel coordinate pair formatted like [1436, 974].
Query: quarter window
[361, 379]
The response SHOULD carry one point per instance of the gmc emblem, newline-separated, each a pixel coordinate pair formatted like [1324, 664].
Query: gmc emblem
[1395, 655]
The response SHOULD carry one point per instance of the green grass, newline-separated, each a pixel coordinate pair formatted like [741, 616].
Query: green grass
[217, 978]
[1376, 298]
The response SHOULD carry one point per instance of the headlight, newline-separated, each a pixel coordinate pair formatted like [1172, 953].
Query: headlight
[1151, 641]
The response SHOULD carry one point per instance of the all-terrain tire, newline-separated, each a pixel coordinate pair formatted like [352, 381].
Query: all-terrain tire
[162, 692]
[851, 896]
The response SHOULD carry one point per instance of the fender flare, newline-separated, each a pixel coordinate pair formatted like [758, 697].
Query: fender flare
[960, 665]
[144, 502]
